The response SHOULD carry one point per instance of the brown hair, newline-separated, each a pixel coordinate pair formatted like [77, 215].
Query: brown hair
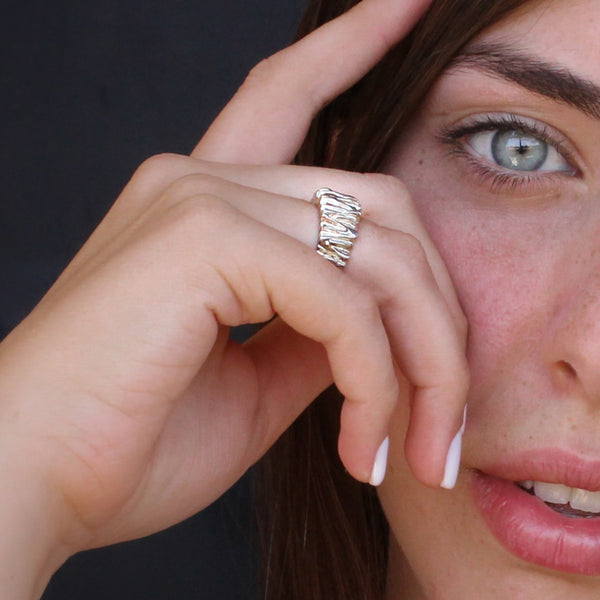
[325, 535]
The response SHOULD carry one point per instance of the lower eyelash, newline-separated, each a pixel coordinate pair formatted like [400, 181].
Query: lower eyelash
[501, 180]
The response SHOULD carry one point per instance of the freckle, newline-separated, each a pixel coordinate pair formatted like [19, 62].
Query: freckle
[420, 161]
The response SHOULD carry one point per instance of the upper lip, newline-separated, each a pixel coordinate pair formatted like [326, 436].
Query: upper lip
[552, 465]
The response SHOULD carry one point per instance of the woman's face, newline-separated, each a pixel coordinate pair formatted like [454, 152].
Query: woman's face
[504, 166]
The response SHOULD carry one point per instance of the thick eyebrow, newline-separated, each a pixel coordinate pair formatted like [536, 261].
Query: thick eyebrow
[550, 80]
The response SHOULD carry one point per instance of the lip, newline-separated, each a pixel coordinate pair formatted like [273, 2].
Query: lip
[525, 525]
[551, 465]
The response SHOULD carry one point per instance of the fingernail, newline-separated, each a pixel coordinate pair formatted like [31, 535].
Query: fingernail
[378, 473]
[453, 458]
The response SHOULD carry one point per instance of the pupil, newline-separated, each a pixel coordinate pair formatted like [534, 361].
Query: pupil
[518, 151]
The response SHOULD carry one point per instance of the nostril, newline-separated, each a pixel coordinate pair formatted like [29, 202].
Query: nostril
[567, 369]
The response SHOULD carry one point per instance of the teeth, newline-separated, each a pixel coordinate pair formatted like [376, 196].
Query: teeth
[556, 493]
[552, 492]
[584, 500]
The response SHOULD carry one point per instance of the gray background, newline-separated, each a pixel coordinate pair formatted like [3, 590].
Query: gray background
[89, 90]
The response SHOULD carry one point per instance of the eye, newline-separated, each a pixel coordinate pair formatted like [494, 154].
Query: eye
[511, 153]
[518, 150]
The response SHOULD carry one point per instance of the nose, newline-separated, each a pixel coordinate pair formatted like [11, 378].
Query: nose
[574, 344]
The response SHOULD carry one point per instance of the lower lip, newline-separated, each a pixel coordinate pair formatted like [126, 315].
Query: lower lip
[534, 532]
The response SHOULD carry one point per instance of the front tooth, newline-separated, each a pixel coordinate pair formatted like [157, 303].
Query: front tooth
[585, 500]
[555, 493]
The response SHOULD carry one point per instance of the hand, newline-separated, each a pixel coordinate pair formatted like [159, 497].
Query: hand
[122, 384]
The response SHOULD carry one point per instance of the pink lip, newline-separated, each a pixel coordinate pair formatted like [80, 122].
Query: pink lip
[525, 525]
[551, 465]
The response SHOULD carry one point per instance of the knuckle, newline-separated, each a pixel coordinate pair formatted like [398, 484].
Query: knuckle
[206, 206]
[261, 74]
[455, 374]
[382, 248]
[401, 247]
[384, 182]
[192, 185]
[156, 166]
[200, 213]
[412, 250]
[148, 181]
[386, 189]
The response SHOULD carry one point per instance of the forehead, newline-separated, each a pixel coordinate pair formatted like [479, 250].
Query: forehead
[565, 32]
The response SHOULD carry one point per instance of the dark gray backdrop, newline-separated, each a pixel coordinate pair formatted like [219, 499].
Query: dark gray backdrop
[88, 90]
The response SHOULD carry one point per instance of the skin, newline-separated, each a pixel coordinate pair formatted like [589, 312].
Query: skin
[125, 410]
[123, 406]
[524, 260]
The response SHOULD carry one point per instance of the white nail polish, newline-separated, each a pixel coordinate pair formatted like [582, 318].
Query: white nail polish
[380, 465]
[453, 458]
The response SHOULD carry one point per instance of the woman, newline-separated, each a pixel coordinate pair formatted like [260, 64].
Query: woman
[482, 236]
[126, 408]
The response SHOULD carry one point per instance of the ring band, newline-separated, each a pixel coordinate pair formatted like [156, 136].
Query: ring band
[339, 216]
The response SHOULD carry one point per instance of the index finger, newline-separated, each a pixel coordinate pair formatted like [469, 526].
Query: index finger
[268, 118]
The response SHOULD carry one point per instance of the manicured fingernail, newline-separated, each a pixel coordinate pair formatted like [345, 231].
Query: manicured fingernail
[380, 465]
[453, 458]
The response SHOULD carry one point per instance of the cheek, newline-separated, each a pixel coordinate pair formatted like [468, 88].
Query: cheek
[516, 267]
[500, 278]
[507, 264]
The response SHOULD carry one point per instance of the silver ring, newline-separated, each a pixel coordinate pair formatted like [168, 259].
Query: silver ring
[339, 216]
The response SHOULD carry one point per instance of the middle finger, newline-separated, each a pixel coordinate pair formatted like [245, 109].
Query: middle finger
[384, 199]
[423, 335]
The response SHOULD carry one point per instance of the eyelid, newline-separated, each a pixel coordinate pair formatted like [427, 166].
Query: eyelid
[553, 161]
[499, 180]
[503, 120]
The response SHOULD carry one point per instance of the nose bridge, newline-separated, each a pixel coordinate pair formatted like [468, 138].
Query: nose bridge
[576, 327]
[583, 308]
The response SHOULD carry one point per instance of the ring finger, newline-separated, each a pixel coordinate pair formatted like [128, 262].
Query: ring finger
[394, 267]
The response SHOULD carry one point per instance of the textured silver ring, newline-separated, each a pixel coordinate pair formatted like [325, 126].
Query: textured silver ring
[339, 216]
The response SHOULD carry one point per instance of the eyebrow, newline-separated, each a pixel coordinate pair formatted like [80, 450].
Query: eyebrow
[553, 81]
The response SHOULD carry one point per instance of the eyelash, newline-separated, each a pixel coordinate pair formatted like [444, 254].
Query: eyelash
[496, 177]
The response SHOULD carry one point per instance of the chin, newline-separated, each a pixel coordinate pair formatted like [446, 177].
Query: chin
[521, 528]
